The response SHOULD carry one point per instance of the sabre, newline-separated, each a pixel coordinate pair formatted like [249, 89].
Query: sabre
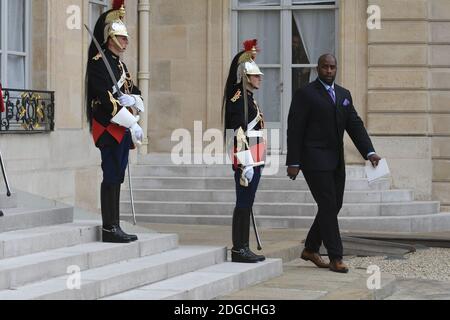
[131, 193]
[105, 60]
[258, 240]
[8, 190]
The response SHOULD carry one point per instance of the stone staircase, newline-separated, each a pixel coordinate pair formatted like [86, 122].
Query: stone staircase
[204, 194]
[41, 247]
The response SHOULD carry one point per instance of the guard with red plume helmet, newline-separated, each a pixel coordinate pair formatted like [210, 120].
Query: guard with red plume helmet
[111, 114]
[244, 118]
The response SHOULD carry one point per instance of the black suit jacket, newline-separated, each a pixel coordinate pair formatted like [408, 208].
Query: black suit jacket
[316, 128]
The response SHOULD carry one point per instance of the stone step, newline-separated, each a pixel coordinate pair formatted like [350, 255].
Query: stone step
[29, 241]
[19, 271]
[8, 202]
[287, 196]
[416, 223]
[282, 209]
[207, 283]
[154, 158]
[227, 183]
[170, 170]
[198, 159]
[26, 218]
[115, 278]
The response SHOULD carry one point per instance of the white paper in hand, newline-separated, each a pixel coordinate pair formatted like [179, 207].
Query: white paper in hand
[382, 170]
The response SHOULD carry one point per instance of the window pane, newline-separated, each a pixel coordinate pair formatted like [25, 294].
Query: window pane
[247, 3]
[264, 26]
[268, 96]
[1, 18]
[301, 77]
[299, 55]
[16, 25]
[316, 29]
[96, 11]
[16, 72]
[309, 2]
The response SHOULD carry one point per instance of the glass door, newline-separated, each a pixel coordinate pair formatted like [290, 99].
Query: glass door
[265, 26]
[292, 34]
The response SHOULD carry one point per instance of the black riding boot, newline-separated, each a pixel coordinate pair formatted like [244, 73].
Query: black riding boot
[131, 237]
[110, 232]
[240, 235]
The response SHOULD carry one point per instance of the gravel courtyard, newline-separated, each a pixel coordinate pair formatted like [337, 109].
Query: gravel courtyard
[428, 264]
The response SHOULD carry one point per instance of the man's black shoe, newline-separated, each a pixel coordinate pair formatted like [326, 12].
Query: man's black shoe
[243, 255]
[132, 237]
[257, 256]
[114, 235]
[1, 213]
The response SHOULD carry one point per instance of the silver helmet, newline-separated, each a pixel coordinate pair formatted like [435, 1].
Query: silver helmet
[114, 25]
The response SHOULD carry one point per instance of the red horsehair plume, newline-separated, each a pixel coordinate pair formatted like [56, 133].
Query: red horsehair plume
[251, 49]
[117, 4]
[251, 44]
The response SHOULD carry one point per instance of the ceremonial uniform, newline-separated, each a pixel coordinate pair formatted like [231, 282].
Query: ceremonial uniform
[245, 196]
[104, 101]
[247, 140]
[113, 124]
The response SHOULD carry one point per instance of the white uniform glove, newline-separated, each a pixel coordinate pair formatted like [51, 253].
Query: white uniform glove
[137, 133]
[139, 104]
[248, 173]
[126, 100]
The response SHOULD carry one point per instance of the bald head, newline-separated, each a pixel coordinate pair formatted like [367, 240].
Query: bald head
[326, 56]
[327, 68]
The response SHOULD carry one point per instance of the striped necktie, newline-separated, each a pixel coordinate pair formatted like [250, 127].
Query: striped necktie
[331, 93]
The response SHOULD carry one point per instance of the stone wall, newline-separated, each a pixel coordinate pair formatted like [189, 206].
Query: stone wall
[408, 94]
[398, 93]
[352, 64]
[178, 68]
[439, 51]
[189, 52]
[39, 44]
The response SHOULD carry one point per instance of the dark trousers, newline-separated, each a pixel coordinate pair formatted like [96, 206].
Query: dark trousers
[327, 188]
[115, 161]
[245, 196]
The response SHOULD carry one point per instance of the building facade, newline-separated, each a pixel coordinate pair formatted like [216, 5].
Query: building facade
[397, 68]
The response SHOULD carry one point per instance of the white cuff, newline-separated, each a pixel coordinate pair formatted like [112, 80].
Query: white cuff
[139, 105]
[124, 118]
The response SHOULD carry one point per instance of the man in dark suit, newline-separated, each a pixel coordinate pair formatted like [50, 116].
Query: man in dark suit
[318, 117]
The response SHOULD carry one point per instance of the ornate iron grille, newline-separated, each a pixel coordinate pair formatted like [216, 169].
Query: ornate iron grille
[27, 111]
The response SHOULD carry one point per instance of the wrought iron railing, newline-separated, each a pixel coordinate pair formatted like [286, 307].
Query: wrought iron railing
[27, 111]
